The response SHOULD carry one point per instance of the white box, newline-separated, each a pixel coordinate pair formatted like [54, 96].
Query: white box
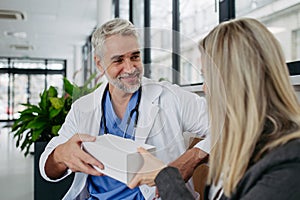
[119, 156]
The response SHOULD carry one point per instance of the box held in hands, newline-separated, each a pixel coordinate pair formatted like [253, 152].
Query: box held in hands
[119, 156]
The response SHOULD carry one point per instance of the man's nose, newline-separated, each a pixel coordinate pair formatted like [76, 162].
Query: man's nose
[128, 65]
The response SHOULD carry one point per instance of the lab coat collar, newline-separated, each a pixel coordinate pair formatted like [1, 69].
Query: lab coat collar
[148, 109]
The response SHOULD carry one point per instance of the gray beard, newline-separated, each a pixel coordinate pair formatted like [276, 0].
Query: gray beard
[121, 86]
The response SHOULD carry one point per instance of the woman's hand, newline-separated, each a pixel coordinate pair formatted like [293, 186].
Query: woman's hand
[151, 167]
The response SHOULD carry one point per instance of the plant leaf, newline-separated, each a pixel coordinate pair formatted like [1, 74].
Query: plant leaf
[37, 123]
[54, 112]
[22, 121]
[87, 82]
[76, 93]
[55, 129]
[52, 92]
[26, 141]
[57, 103]
[68, 87]
[30, 110]
[36, 134]
[26, 144]
[43, 102]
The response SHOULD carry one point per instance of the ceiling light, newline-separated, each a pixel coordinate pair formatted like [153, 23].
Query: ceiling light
[21, 47]
[12, 15]
[22, 35]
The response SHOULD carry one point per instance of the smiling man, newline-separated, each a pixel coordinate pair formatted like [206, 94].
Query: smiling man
[129, 106]
[122, 63]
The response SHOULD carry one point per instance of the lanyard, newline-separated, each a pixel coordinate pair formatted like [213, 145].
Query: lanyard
[134, 110]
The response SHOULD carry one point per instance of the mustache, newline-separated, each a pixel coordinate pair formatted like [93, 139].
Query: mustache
[126, 75]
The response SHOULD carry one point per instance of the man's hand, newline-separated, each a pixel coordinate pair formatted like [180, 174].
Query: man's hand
[70, 155]
[188, 161]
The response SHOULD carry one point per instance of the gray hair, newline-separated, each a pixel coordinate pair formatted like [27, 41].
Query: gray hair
[112, 27]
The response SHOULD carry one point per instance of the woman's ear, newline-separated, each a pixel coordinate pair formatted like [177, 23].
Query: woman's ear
[98, 64]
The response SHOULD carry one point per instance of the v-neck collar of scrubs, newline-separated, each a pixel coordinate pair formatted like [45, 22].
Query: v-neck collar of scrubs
[114, 124]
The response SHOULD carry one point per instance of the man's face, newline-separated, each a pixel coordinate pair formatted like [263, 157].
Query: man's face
[122, 63]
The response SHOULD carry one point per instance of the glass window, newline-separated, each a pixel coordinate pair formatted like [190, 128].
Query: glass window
[296, 47]
[280, 16]
[28, 64]
[161, 39]
[55, 65]
[25, 82]
[124, 9]
[20, 93]
[4, 82]
[3, 63]
[56, 80]
[197, 18]
[36, 86]
[138, 13]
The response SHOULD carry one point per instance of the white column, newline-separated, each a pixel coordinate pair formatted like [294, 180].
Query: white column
[78, 75]
[70, 67]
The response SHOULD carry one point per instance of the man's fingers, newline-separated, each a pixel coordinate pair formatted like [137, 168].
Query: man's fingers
[88, 169]
[81, 165]
[87, 158]
[84, 162]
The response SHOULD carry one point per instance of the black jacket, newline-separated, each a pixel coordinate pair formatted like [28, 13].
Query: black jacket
[276, 177]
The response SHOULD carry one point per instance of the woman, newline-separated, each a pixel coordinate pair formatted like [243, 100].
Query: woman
[256, 148]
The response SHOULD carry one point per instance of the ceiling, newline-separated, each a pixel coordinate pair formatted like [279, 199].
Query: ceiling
[51, 28]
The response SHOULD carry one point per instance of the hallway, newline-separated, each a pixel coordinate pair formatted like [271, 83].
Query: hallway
[16, 171]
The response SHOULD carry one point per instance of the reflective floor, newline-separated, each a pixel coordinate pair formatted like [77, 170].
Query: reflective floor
[16, 171]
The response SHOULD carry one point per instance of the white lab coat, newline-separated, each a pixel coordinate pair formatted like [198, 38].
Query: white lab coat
[166, 112]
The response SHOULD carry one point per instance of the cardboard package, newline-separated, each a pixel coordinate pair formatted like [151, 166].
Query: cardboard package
[119, 156]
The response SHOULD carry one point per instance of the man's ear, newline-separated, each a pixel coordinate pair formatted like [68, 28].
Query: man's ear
[98, 63]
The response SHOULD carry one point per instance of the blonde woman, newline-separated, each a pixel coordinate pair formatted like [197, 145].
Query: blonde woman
[256, 148]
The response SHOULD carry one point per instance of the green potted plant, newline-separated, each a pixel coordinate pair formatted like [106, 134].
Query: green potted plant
[39, 123]
[42, 122]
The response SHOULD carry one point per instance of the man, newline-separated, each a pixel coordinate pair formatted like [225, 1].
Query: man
[128, 106]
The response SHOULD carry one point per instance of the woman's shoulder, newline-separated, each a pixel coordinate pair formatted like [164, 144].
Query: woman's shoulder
[275, 176]
[286, 153]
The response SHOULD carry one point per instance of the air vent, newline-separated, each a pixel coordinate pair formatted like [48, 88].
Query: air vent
[11, 14]
[21, 47]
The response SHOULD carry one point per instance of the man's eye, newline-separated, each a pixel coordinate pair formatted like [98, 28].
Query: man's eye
[118, 61]
[135, 58]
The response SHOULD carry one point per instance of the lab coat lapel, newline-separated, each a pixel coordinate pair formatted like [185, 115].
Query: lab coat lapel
[96, 113]
[148, 110]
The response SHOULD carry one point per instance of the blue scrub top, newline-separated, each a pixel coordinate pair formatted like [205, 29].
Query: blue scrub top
[104, 187]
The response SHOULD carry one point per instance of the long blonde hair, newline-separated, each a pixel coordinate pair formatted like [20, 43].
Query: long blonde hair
[248, 83]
